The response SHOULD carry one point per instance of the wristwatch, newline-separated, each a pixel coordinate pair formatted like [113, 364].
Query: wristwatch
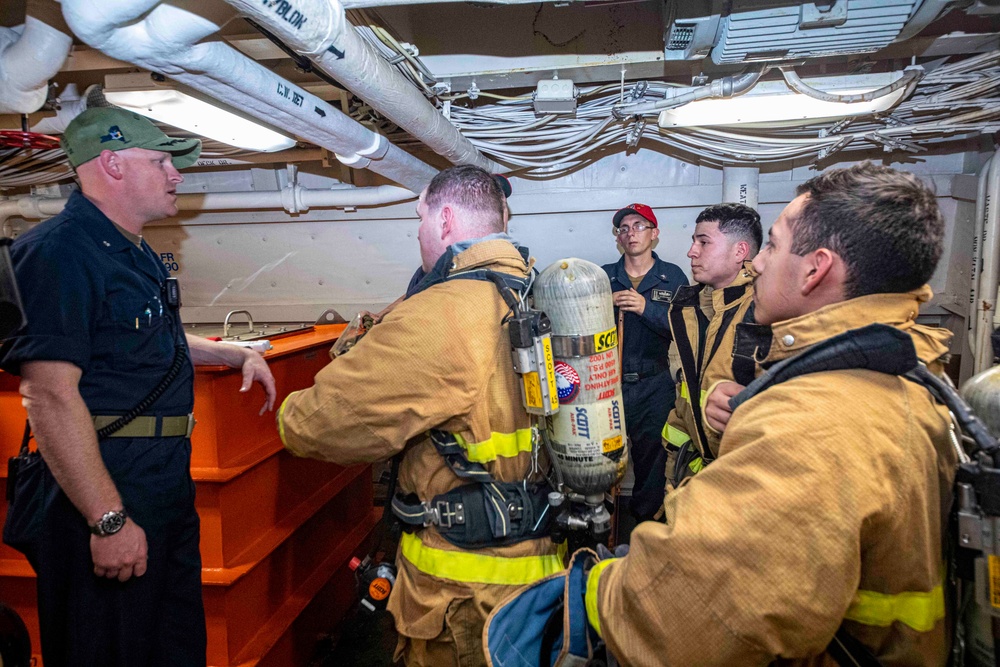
[109, 524]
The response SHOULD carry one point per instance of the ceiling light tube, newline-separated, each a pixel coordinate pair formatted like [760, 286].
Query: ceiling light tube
[171, 104]
[773, 101]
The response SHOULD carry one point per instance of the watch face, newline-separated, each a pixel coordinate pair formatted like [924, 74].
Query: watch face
[112, 522]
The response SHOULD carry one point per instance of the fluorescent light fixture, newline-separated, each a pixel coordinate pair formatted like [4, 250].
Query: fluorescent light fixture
[171, 104]
[773, 101]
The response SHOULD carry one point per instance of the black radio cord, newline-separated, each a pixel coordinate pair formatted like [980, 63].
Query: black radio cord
[180, 357]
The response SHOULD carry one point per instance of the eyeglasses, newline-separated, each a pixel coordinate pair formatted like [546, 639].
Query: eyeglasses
[638, 227]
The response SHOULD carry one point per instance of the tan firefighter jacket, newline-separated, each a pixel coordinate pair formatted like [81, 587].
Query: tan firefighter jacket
[825, 506]
[705, 346]
[441, 359]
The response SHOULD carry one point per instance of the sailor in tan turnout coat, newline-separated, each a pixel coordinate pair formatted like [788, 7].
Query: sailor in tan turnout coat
[440, 360]
[826, 505]
[703, 319]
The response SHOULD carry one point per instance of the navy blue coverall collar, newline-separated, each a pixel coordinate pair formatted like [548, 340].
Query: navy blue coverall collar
[100, 228]
[657, 273]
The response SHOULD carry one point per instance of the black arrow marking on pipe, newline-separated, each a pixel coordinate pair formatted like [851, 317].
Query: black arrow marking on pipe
[319, 111]
[333, 49]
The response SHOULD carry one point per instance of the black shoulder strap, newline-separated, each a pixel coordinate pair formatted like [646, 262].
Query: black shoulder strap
[745, 367]
[876, 347]
[441, 272]
[727, 321]
[689, 362]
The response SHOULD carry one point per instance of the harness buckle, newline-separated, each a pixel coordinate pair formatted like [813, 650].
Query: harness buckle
[442, 515]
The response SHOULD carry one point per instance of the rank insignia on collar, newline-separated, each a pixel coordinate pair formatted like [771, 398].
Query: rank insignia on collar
[662, 295]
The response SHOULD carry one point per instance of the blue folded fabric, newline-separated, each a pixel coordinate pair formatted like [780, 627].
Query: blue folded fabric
[539, 618]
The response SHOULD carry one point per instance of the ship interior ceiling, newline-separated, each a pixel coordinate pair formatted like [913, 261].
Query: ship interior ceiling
[353, 105]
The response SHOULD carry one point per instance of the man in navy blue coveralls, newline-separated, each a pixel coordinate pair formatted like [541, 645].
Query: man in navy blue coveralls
[114, 590]
[643, 285]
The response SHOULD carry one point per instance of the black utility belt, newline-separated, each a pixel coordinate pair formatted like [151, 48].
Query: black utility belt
[477, 515]
[149, 426]
[629, 378]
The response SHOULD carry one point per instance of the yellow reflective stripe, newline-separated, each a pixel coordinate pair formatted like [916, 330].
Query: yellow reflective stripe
[674, 436]
[919, 610]
[686, 394]
[696, 465]
[281, 419]
[473, 568]
[506, 445]
[593, 580]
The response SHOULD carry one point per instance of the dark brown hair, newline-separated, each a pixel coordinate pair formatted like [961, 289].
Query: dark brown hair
[885, 225]
[736, 221]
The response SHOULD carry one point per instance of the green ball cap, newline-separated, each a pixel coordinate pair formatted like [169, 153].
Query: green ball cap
[114, 129]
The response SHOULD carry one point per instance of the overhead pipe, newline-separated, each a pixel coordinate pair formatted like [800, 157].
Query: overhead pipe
[30, 55]
[166, 38]
[986, 303]
[293, 198]
[319, 30]
[982, 182]
[29, 208]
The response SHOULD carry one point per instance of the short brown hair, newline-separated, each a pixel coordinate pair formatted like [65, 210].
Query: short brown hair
[885, 225]
[738, 222]
[472, 189]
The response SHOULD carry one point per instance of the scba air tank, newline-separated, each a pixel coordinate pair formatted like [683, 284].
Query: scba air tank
[587, 435]
[982, 393]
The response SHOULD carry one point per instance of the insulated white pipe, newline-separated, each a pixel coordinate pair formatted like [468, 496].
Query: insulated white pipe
[67, 111]
[30, 55]
[163, 38]
[977, 252]
[361, 4]
[30, 208]
[319, 29]
[986, 304]
[292, 198]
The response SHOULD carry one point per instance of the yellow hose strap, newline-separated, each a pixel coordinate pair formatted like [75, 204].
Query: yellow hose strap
[473, 568]
[506, 445]
[696, 465]
[674, 436]
[593, 579]
[281, 419]
[917, 609]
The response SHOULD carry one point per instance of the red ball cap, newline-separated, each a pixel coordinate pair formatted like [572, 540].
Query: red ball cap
[638, 209]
